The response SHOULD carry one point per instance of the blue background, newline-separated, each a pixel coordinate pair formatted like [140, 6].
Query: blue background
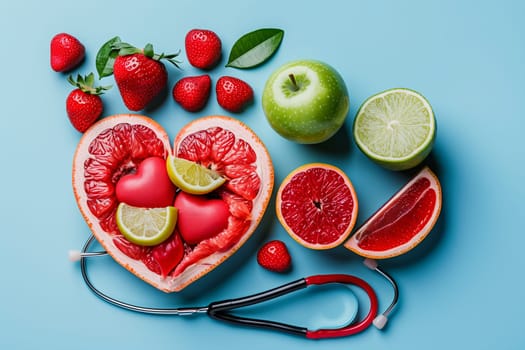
[462, 288]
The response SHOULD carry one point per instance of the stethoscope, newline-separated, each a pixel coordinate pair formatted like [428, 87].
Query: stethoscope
[222, 310]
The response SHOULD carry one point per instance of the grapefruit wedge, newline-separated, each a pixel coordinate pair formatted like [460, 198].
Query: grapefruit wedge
[117, 145]
[317, 205]
[402, 222]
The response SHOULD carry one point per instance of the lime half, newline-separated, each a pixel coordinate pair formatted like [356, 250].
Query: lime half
[395, 128]
[146, 226]
[192, 177]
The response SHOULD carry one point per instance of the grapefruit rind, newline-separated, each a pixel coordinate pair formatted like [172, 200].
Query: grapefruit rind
[296, 236]
[203, 266]
[353, 243]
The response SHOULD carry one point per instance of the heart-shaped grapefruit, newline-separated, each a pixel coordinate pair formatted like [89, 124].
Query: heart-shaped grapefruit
[116, 146]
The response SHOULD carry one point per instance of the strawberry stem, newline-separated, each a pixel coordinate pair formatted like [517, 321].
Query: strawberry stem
[170, 58]
[125, 49]
[148, 50]
[86, 84]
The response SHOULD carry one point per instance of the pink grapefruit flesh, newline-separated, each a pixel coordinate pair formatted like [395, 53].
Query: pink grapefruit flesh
[402, 222]
[317, 205]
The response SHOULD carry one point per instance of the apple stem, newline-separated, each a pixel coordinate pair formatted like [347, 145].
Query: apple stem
[294, 82]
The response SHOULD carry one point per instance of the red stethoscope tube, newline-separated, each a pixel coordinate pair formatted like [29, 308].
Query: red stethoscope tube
[221, 310]
[351, 328]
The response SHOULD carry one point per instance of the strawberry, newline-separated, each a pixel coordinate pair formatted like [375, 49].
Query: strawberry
[66, 52]
[84, 105]
[192, 93]
[203, 48]
[139, 74]
[233, 94]
[274, 256]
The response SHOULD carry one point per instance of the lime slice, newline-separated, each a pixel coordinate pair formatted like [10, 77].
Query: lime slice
[395, 128]
[192, 177]
[146, 226]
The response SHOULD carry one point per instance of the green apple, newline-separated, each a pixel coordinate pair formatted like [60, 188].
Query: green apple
[306, 101]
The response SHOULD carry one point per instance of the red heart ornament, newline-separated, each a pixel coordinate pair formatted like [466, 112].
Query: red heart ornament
[199, 217]
[168, 254]
[149, 187]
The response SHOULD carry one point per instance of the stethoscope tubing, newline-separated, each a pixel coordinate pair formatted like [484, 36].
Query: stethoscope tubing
[222, 310]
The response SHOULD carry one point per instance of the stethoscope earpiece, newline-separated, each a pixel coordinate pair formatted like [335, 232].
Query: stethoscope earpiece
[381, 319]
[76, 255]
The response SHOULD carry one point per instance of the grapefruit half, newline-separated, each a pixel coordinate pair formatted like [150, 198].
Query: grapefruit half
[232, 149]
[402, 222]
[317, 205]
[116, 145]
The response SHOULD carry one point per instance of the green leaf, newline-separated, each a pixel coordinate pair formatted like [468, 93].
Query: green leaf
[255, 47]
[148, 50]
[127, 50]
[71, 80]
[90, 79]
[169, 57]
[106, 57]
